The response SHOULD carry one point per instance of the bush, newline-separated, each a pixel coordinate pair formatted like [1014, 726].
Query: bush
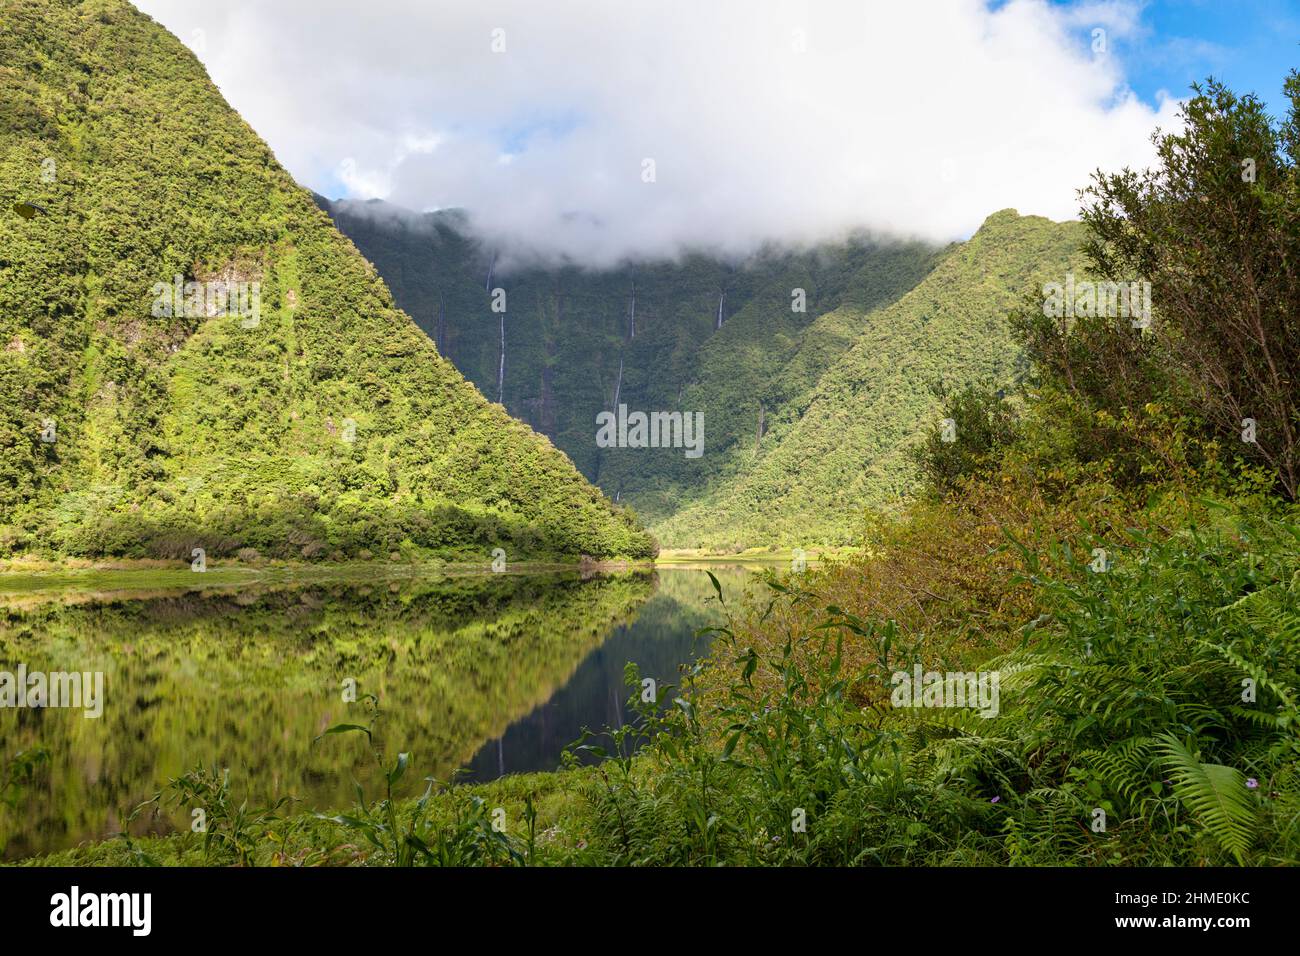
[982, 425]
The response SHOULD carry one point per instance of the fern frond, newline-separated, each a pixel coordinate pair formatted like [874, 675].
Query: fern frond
[1216, 795]
[1125, 767]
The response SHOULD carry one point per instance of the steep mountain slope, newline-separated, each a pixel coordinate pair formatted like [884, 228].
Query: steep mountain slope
[734, 342]
[844, 447]
[314, 419]
[808, 416]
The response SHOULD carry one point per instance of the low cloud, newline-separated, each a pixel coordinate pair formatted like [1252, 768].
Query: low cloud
[596, 131]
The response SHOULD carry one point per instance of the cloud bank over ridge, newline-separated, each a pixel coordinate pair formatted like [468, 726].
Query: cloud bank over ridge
[597, 131]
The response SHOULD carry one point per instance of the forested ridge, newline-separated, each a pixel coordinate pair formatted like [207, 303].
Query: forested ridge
[741, 342]
[326, 425]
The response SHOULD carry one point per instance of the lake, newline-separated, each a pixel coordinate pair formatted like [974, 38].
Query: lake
[476, 675]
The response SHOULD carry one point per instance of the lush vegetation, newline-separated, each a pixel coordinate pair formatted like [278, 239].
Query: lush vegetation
[1214, 228]
[648, 334]
[810, 417]
[1097, 526]
[843, 447]
[325, 426]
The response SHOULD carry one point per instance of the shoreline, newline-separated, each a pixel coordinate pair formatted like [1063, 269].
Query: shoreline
[37, 574]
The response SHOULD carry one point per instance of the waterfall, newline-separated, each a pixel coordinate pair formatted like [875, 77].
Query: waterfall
[632, 317]
[721, 300]
[501, 369]
[618, 386]
[492, 268]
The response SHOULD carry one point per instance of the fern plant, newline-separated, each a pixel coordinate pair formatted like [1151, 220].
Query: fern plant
[1215, 794]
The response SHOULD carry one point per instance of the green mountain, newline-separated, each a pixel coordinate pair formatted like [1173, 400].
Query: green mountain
[739, 343]
[277, 399]
[807, 415]
[843, 445]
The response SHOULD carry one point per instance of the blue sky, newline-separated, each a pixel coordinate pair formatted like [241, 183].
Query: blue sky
[1249, 44]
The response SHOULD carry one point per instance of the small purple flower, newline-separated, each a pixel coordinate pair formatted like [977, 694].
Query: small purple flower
[1252, 782]
[995, 800]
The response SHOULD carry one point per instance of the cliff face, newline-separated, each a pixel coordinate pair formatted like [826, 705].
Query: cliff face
[808, 414]
[733, 341]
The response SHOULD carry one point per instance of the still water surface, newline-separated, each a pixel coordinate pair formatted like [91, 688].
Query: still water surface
[480, 675]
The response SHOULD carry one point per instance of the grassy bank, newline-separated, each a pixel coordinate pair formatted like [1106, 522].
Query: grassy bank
[463, 817]
[125, 574]
[759, 555]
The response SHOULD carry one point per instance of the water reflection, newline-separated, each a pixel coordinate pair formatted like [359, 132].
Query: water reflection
[659, 640]
[494, 672]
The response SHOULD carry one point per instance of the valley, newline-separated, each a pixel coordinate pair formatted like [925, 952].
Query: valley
[810, 413]
[648, 535]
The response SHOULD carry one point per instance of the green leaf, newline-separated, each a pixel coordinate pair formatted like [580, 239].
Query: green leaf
[399, 768]
[1216, 796]
[345, 729]
[717, 587]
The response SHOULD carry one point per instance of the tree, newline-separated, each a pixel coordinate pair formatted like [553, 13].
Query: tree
[1213, 227]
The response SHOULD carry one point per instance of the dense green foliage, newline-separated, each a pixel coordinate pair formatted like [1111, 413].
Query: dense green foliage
[845, 447]
[809, 416]
[330, 426]
[1131, 701]
[980, 423]
[1215, 228]
[575, 339]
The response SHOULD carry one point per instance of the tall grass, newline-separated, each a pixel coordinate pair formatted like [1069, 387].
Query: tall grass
[1161, 692]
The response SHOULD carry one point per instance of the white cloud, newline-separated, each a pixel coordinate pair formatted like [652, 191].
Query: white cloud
[790, 120]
